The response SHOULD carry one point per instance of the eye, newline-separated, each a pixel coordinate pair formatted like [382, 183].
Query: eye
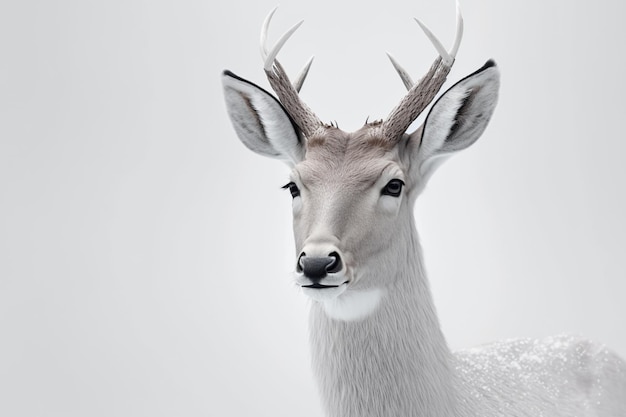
[393, 188]
[293, 189]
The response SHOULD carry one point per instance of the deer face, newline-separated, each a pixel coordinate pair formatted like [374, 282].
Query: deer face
[349, 201]
[353, 193]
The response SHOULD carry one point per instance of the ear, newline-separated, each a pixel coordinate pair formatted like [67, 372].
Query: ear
[260, 121]
[457, 119]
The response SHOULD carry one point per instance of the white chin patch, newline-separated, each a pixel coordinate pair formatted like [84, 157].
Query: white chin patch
[353, 305]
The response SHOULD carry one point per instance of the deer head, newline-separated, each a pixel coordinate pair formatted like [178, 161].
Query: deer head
[353, 193]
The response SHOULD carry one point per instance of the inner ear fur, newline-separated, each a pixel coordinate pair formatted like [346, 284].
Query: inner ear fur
[458, 118]
[260, 121]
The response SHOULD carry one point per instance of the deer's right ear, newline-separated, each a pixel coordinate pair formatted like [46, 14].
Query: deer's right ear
[457, 119]
[260, 121]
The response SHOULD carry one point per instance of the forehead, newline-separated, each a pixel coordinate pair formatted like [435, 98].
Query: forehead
[356, 157]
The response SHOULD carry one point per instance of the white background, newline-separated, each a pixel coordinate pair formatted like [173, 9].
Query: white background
[145, 253]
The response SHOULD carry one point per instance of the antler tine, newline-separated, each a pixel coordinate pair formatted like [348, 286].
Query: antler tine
[271, 56]
[297, 84]
[287, 92]
[404, 75]
[420, 95]
[447, 56]
[447, 59]
[264, 30]
[459, 31]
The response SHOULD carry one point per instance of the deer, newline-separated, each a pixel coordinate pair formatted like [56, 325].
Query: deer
[377, 348]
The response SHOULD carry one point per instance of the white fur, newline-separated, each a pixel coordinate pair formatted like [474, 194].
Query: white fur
[354, 305]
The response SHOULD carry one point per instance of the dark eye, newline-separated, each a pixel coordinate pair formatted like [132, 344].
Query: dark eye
[293, 189]
[393, 188]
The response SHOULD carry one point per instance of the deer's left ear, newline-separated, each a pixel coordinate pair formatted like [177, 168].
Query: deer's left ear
[260, 121]
[456, 120]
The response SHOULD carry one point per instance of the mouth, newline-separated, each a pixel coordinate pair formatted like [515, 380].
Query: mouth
[320, 292]
[317, 285]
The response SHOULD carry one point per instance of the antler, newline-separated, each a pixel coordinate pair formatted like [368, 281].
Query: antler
[421, 94]
[287, 92]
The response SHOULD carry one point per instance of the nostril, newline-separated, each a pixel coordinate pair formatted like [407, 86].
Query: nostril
[336, 264]
[299, 264]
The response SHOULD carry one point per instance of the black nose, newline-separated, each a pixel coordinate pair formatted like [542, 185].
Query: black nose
[316, 268]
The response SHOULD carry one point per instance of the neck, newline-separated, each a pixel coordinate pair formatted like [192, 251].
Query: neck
[395, 361]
